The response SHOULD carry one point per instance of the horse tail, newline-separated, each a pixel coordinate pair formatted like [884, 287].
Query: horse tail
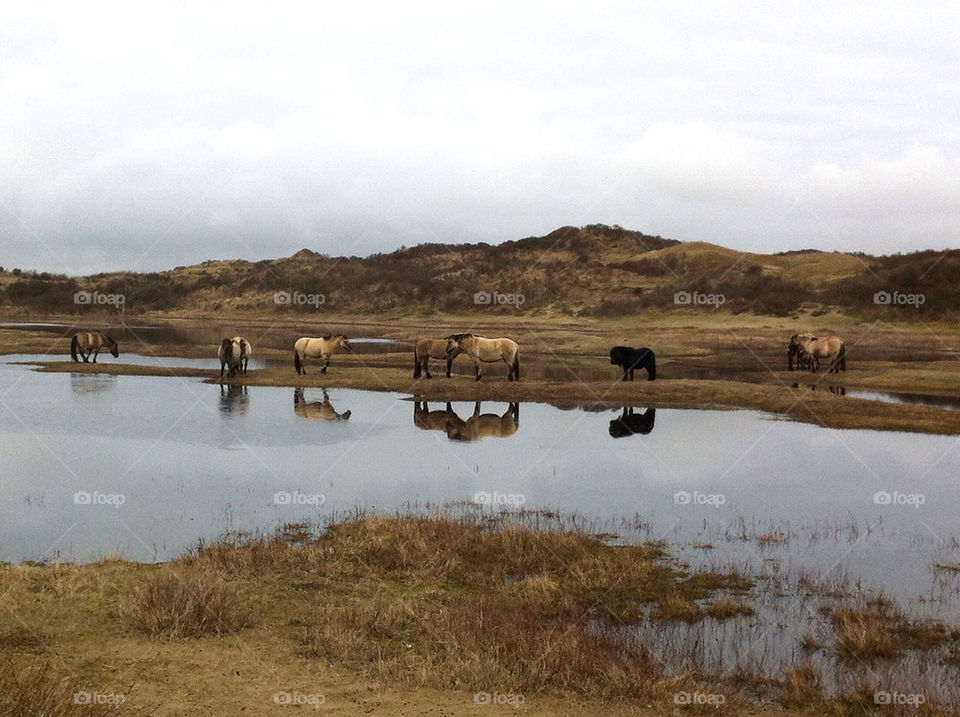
[516, 366]
[297, 364]
[416, 364]
[74, 344]
[842, 356]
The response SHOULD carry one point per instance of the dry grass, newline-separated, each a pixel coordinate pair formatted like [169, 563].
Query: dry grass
[33, 687]
[881, 632]
[803, 687]
[183, 604]
[724, 608]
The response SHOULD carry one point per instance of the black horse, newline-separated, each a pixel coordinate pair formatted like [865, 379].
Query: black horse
[629, 359]
[630, 423]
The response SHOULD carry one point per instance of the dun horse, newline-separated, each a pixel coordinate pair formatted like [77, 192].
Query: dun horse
[811, 349]
[230, 354]
[85, 343]
[427, 349]
[322, 348]
[246, 351]
[480, 425]
[486, 350]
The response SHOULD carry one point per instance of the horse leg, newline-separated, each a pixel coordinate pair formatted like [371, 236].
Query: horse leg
[449, 364]
[509, 368]
[326, 363]
[222, 364]
[96, 351]
[626, 372]
[426, 367]
[476, 371]
[631, 372]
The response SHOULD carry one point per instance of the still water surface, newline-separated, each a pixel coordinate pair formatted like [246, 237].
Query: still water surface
[167, 461]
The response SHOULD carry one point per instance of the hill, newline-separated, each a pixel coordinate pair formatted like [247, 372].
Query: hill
[595, 270]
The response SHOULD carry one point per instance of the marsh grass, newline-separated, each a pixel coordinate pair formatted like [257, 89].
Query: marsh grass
[879, 631]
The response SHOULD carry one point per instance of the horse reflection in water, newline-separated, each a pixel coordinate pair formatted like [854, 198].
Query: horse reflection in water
[481, 425]
[92, 382]
[429, 420]
[316, 409]
[234, 399]
[630, 423]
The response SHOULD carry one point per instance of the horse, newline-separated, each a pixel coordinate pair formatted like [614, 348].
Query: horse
[630, 423]
[85, 343]
[487, 350]
[246, 351]
[480, 425]
[316, 409]
[324, 348]
[230, 354]
[630, 358]
[429, 420]
[426, 349]
[811, 349]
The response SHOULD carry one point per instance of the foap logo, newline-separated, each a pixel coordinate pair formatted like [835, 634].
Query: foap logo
[284, 497]
[897, 298]
[82, 497]
[307, 699]
[498, 698]
[884, 497]
[898, 698]
[497, 498]
[685, 298]
[297, 298]
[95, 298]
[682, 497]
[83, 697]
[699, 698]
[488, 298]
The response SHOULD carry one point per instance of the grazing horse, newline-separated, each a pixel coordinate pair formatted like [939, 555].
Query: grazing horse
[316, 409]
[246, 351]
[629, 359]
[85, 343]
[230, 354]
[811, 349]
[306, 347]
[480, 425]
[429, 420]
[630, 423]
[486, 350]
[426, 349]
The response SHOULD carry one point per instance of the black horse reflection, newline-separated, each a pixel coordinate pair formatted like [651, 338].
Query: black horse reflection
[629, 423]
[477, 426]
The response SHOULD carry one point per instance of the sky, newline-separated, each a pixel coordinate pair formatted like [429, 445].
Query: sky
[143, 136]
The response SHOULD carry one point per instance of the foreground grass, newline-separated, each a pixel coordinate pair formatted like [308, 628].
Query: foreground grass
[402, 615]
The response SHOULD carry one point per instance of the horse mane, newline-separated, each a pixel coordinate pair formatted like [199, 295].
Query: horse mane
[459, 337]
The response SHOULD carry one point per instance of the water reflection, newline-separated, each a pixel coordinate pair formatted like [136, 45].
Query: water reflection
[323, 410]
[429, 420]
[481, 425]
[234, 399]
[92, 382]
[838, 390]
[630, 423]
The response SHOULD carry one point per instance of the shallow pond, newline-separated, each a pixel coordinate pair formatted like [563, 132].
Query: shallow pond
[192, 460]
[96, 464]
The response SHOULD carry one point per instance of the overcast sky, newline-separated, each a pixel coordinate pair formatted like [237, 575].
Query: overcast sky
[147, 135]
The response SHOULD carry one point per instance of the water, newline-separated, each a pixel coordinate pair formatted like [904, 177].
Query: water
[144, 467]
